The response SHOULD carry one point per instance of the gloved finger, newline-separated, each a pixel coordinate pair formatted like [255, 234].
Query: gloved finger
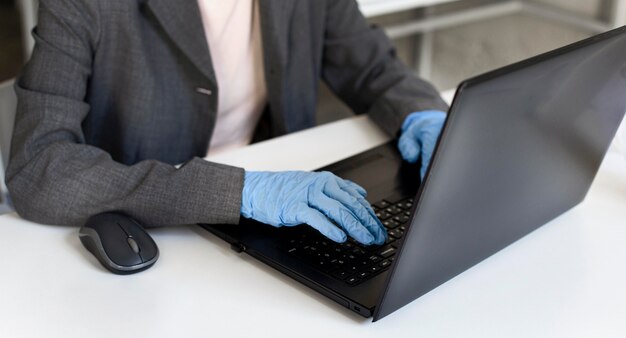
[342, 216]
[429, 143]
[360, 207]
[409, 147]
[426, 156]
[319, 222]
[360, 198]
[347, 183]
[379, 230]
[367, 219]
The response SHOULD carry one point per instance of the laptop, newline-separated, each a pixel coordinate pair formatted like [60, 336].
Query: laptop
[521, 145]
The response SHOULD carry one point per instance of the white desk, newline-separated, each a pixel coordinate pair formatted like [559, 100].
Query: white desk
[566, 279]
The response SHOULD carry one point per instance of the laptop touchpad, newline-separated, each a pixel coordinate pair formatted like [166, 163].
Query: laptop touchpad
[378, 172]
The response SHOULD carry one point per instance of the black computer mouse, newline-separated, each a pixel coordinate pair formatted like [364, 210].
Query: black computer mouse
[119, 242]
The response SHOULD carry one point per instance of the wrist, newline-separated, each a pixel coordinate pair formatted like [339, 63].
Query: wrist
[248, 182]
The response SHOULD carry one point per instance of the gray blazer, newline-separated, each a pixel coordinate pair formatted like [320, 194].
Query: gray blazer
[118, 91]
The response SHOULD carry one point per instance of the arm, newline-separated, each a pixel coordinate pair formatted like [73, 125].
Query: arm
[360, 65]
[55, 178]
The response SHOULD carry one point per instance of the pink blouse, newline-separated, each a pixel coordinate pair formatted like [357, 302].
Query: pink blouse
[233, 33]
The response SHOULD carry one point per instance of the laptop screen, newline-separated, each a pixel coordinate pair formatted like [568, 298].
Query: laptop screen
[522, 145]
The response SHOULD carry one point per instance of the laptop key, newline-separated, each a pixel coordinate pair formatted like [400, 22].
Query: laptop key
[374, 268]
[353, 280]
[338, 263]
[394, 210]
[352, 269]
[358, 251]
[363, 262]
[385, 264]
[374, 259]
[341, 274]
[383, 215]
[382, 204]
[387, 252]
[396, 233]
[401, 219]
[389, 240]
[349, 257]
[363, 274]
[390, 224]
[406, 205]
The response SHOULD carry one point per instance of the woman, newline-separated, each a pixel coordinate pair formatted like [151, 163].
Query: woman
[118, 92]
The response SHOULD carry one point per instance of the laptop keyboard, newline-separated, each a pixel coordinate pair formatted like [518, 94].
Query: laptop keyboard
[351, 261]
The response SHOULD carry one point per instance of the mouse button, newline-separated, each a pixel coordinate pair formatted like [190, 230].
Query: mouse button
[126, 225]
[147, 246]
[131, 227]
[115, 245]
[110, 235]
[149, 251]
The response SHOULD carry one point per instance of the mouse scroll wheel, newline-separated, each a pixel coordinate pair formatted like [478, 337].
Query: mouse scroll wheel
[133, 244]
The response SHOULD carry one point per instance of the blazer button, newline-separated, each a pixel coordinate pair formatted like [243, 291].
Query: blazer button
[204, 91]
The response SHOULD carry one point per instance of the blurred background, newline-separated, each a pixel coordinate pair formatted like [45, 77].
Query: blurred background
[444, 41]
[447, 41]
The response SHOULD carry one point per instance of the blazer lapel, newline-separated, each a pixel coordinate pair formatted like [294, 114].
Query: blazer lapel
[275, 21]
[181, 20]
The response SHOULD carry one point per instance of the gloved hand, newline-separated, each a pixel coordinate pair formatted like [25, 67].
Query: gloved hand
[295, 197]
[419, 136]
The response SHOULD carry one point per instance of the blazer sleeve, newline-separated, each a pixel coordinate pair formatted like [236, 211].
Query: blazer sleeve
[361, 67]
[54, 177]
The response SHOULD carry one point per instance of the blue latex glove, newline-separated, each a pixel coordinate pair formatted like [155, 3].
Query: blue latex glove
[419, 136]
[291, 198]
